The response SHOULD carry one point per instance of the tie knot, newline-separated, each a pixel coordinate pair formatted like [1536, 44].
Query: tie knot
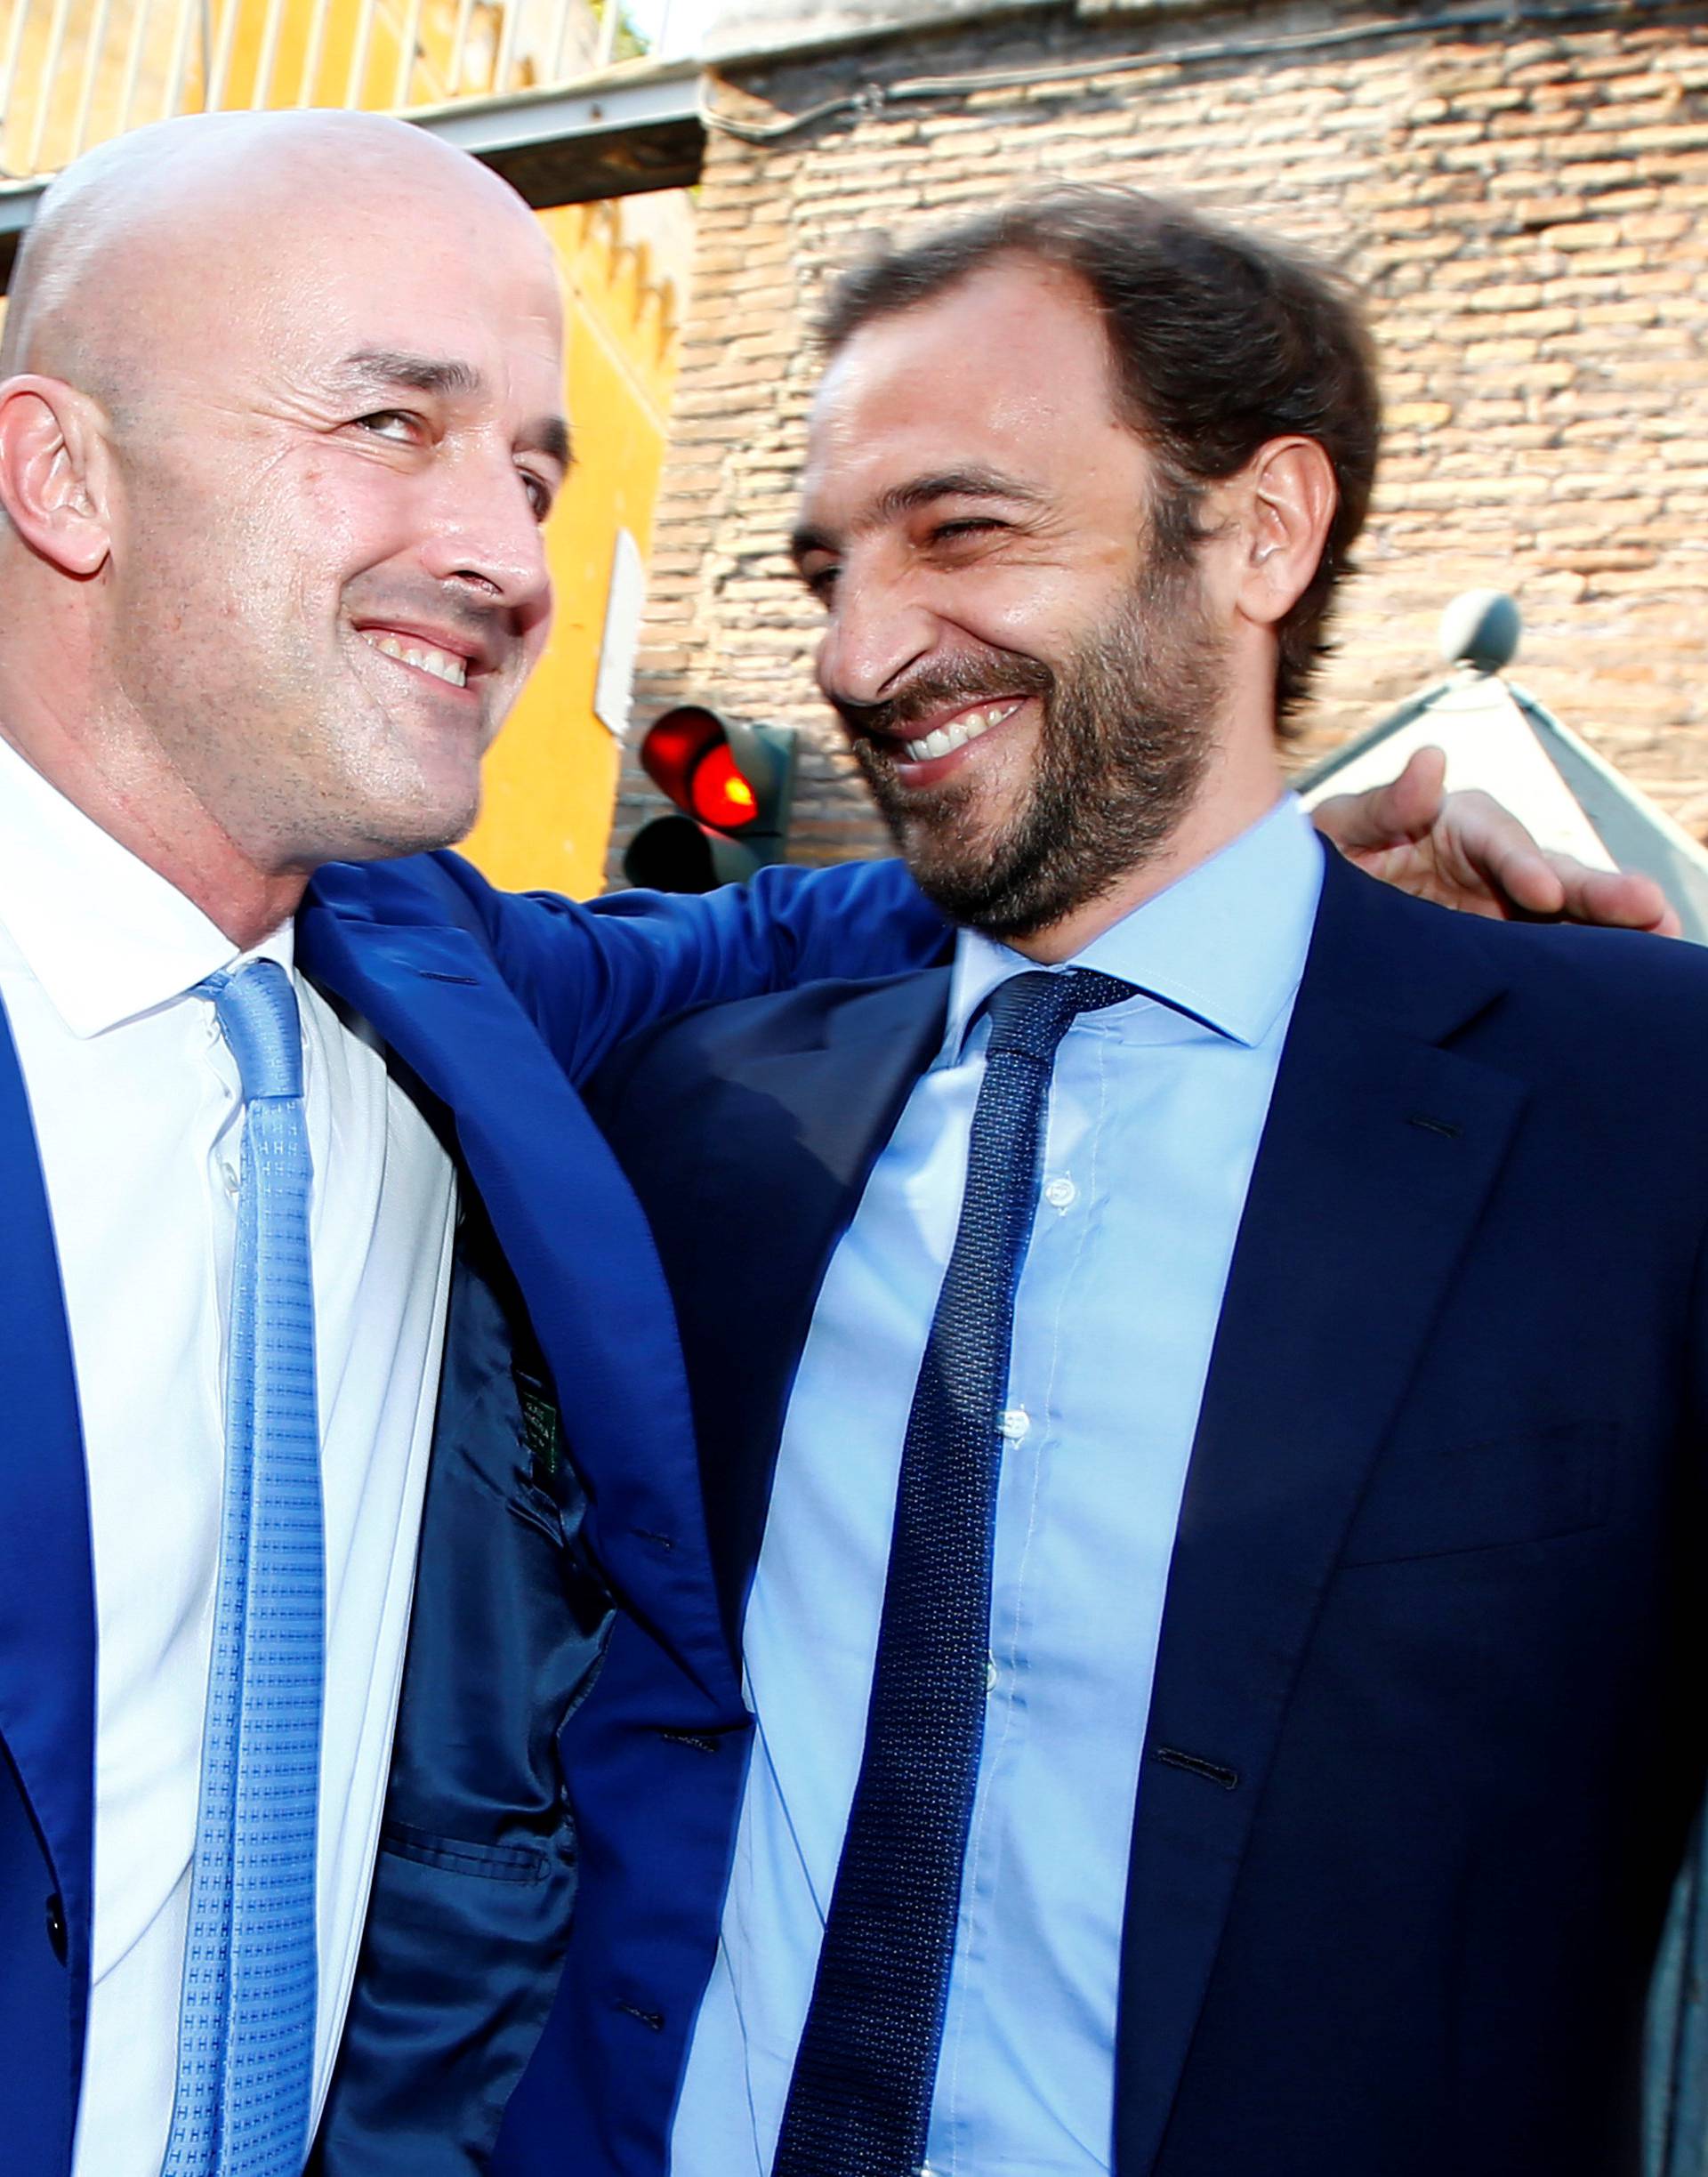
[1031, 1013]
[258, 1018]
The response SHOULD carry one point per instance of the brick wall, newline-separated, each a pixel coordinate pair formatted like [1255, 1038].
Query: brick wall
[1526, 205]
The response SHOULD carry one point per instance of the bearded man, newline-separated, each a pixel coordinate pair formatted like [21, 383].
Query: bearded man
[1204, 1496]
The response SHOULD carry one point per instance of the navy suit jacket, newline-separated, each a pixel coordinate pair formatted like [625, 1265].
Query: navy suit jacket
[492, 1006]
[1428, 1724]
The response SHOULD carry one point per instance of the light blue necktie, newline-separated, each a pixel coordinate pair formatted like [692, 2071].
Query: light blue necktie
[245, 2036]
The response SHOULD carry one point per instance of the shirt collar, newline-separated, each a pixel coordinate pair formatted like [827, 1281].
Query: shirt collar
[105, 936]
[1225, 943]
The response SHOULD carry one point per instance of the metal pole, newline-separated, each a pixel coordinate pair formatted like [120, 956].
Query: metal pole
[507, 37]
[219, 74]
[179, 61]
[406, 53]
[268, 58]
[459, 46]
[311, 56]
[50, 75]
[359, 55]
[560, 40]
[133, 62]
[14, 47]
[90, 69]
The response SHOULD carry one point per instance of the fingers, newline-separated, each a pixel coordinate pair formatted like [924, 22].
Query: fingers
[1466, 850]
[1406, 809]
[1495, 857]
[1614, 898]
[1415, 800]
[1498, 857]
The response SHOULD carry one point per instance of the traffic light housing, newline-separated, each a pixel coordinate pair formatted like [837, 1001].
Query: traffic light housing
[733, 784]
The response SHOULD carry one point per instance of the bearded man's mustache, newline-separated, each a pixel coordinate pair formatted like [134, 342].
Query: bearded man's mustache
[987, 677]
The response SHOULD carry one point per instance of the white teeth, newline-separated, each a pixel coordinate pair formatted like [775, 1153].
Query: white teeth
[959, 732]
[443, 665]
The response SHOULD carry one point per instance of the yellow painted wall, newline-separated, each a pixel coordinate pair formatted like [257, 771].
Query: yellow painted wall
[551, 775]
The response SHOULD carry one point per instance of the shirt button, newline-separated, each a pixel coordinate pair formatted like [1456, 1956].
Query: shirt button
[1061, 1193]
[229, 1173]
[991, 1674]
[1015, 1424]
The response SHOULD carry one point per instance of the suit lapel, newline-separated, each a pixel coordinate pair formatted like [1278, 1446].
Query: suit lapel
[578, 1242]
[1380, 1150]
[797, 1132]
[47, 1601]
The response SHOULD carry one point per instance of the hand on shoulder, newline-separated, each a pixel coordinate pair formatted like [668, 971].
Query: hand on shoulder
[1465, 850]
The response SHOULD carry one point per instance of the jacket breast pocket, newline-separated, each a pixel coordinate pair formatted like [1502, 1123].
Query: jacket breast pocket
[1434, 1500]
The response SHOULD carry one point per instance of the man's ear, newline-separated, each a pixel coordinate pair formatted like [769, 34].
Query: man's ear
[53, 473]
[1290, 497]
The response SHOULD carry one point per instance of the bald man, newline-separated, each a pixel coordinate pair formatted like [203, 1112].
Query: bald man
[280, 420]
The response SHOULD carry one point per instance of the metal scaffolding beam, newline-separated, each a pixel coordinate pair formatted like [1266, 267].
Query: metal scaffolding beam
[610, 136]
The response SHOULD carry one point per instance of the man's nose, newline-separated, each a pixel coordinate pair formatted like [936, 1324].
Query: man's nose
[484, 531]
[878, 632]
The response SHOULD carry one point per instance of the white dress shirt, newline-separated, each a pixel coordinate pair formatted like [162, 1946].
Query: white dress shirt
[138, 1121]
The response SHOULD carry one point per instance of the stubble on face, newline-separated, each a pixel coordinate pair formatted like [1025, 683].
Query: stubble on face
[237, 646]
[1127, 728]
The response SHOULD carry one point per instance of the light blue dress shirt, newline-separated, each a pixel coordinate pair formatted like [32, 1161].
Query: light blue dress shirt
[1155, 1114]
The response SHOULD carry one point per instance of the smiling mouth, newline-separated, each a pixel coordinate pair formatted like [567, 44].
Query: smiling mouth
[443, 665]
[970, 726]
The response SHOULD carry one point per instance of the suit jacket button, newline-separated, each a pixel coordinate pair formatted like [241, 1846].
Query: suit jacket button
[56, 1926]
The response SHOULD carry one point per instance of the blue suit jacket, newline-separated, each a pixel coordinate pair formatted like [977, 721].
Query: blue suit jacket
[1427, 1722]
[444, 968]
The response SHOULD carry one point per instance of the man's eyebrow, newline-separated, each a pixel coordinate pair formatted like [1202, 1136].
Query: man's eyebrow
[421, 374]
[920, 491]
[550, 436]
[446, 377]
[954, 484]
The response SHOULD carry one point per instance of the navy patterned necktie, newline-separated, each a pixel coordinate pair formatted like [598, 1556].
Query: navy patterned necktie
[859, 2101]
[246, 2034]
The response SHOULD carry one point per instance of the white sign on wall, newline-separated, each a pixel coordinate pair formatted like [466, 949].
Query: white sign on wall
[614, 688]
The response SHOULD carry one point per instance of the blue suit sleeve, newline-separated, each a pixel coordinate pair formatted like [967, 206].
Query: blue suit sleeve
[592, 973]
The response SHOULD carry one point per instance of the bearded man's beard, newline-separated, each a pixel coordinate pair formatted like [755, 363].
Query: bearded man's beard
[1127, 728]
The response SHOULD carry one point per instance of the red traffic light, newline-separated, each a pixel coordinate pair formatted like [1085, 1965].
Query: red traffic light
[687, 756]
[720, 794]
[733, 782]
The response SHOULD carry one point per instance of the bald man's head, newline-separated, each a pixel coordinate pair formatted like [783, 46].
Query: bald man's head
[139, 239]
[281, 411]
